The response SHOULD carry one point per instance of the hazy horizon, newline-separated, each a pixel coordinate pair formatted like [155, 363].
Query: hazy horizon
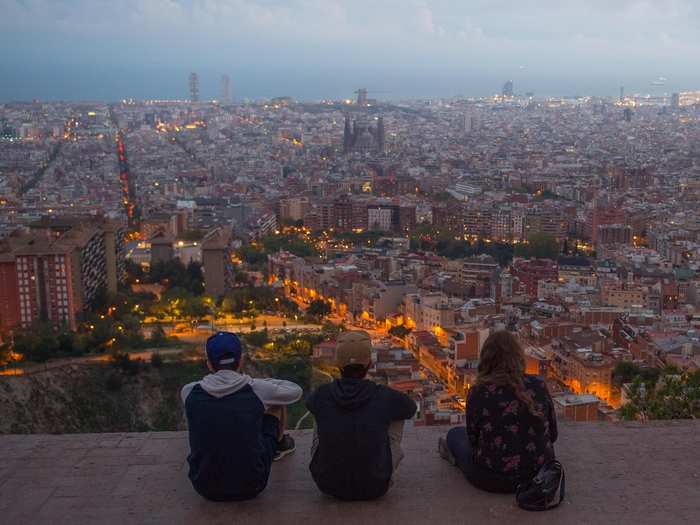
[313, 49]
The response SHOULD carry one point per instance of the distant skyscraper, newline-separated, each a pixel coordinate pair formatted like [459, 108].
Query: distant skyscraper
[347, 135]
[628, 114]
[225, 89]
[676, 100]
[381, 137]
[622, 93]
[194, 87]
[361, 97]
[464, 122]
[508, 89]
[468, 123]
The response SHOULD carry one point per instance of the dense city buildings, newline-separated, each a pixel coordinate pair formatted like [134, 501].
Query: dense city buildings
[572, 221]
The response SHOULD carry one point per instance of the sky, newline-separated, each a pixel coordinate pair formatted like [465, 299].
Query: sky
[314, 49]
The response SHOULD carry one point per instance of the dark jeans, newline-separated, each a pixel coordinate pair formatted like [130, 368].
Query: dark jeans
[459, 445]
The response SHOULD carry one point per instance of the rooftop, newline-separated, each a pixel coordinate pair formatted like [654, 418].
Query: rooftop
[616, 473]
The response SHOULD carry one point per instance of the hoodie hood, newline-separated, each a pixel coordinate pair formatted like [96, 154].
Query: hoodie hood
[352, 394]
[224, 382]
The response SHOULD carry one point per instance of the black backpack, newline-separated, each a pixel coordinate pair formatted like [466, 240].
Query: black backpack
[545, 491]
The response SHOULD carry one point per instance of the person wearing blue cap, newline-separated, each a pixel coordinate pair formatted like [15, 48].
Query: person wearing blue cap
[236, 424]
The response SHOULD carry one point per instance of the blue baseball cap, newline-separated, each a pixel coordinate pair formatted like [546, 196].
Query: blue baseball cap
[224, 348]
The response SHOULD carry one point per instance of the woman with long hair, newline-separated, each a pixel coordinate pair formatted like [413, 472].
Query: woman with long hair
[511, 424]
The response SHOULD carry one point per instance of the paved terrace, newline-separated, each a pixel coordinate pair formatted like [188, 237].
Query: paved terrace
[617, 473]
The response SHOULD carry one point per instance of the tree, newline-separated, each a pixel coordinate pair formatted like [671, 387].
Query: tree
[294, 368]
[258, 297]
[195, 309]
[134, 272]
[252, 256]
[287, 307]
[41, 342]
[693, 379]
[502, 252]
[174, 274]
[29, 346]
[453, 249]
[195, 278]
[256, 338]
[539, 245]
[625, 372]
[331, 330]
[180, 303]
[67, 344]
[673, 397]
[399, 331]
[252, 313]
[241, 278]
[292, 243]
[158, 337]
[318, 308]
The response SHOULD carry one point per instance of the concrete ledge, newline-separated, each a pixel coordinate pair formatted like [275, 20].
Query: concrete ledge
[616, 473]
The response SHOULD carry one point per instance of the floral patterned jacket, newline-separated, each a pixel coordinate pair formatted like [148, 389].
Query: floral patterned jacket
[505, 438]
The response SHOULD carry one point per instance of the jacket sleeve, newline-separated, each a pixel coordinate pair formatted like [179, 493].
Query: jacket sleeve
[186, 391]
[473, 417]
[276, 392]
[400, 405]
[310, 401]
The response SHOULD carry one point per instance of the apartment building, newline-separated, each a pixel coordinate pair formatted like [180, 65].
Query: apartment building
[216, 262]
[59, 269]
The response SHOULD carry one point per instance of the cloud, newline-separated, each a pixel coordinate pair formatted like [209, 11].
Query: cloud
[557, 36]
[410, 21]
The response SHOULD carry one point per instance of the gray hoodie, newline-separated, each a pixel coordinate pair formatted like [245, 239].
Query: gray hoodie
[272, 392]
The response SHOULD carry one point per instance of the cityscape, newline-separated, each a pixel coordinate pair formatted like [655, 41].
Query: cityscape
[349, 261]
[430, 223]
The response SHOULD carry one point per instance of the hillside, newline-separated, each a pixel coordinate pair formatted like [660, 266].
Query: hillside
[105, 398]
[95, 398]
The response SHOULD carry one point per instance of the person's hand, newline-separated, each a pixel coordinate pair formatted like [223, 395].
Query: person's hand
[275, 411]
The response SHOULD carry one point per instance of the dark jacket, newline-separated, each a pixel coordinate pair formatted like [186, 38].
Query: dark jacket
[507, 441]
[232, 442]
[353, 458]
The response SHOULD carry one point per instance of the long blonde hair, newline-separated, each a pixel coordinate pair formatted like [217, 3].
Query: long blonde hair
[502, 363]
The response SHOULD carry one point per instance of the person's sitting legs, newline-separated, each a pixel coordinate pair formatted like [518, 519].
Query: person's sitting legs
[395, 436]
[460, 448]
[284, 443]
[456, 449]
